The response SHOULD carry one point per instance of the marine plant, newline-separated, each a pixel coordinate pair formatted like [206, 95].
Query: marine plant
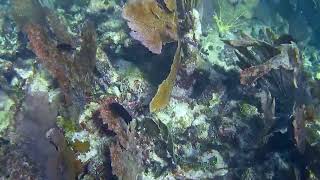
[155, 24]
[224, 24]
[151, 23]
[162, 97]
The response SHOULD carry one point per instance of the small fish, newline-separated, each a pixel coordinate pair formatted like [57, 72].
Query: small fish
[65, 47]
[118, 110]
[284, 39]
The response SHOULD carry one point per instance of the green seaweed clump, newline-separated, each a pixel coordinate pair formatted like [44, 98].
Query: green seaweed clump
[248, 110]
[67, 125]
[228, 17]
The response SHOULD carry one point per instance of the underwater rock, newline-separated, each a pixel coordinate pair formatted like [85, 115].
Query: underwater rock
[40, 116]
[9, 40]
[7, 113]
[212, 50]
[96, 6]
[17, 164]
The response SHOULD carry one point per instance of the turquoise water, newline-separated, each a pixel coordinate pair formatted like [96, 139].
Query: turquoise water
[159, 89]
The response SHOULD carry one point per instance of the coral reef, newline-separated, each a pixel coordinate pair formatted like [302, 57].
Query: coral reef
[237, 98]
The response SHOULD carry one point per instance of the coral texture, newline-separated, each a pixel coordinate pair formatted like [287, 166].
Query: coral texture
[48, 54]
[71, 71]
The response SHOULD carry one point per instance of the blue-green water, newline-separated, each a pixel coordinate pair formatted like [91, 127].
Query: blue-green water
[159, 89]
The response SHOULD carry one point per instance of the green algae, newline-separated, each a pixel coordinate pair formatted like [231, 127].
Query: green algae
[67, 125]
[248, 110]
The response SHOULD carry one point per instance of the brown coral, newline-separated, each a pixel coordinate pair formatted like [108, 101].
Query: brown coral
[250, 75]
[71, 71]
[151, 23]
[114, 122]
[48, 54]
[285, 56]
[53, 45]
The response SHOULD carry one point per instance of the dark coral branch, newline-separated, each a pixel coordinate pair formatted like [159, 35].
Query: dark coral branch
[48, 54]
[53, 45]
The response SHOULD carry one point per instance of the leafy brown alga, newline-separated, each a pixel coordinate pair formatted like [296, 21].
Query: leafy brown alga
[162, 97]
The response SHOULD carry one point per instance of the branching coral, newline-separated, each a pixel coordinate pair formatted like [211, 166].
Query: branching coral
[250, 75]
[27, 11]
[152, 24]
[276, 70]
[73, 70]
[47, 53]
[299, 126]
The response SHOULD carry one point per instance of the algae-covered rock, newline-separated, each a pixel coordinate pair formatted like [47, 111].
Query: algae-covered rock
[213, 50]
[7, 111]
[311, 61]
[96, 6]
[248, 110]
[181, 115]
[9, 42]
[39, 83]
